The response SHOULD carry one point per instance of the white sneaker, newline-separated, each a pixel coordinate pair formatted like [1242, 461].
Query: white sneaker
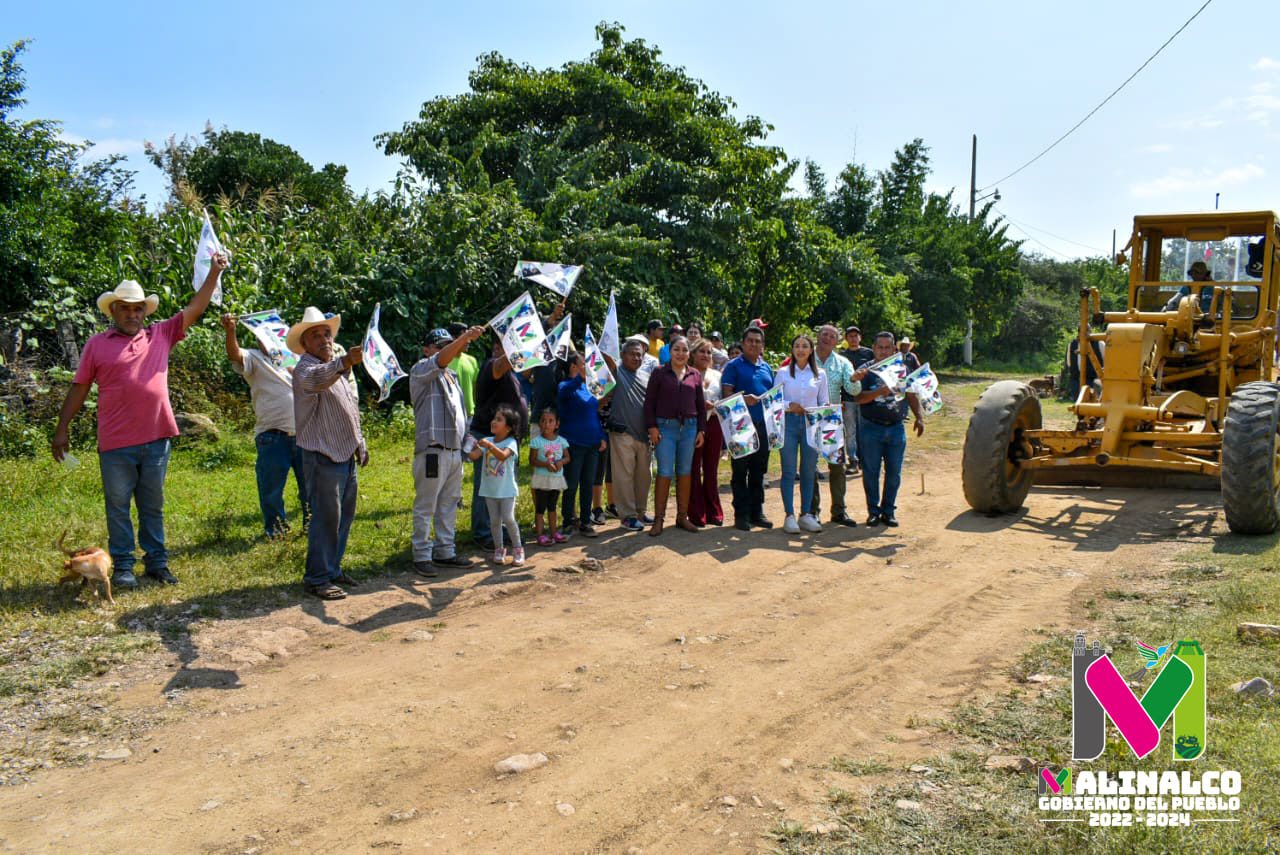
[789, 525]
[810, 523]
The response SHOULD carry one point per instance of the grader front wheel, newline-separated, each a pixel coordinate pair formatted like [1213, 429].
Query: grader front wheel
[993, 481]
[1251, 459]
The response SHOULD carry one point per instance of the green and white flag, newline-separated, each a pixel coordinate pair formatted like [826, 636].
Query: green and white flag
[774, 411]
[520, 330]
[379, 360]
[599, 378]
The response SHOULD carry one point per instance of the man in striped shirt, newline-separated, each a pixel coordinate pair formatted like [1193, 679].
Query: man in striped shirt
[327, 419]
[440, 421]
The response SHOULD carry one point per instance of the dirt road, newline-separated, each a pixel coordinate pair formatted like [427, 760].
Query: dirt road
[688, 697]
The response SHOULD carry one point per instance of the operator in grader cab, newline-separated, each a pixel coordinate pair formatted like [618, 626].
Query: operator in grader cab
[1198, 272]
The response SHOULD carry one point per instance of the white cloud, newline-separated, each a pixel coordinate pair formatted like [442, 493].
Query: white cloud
[108, 147]
[1182, 180]
[1266, 63]
[1156, 148]
[1201, 123]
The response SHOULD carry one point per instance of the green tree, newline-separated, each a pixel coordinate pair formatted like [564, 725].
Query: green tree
[248, 168]
[635, 169]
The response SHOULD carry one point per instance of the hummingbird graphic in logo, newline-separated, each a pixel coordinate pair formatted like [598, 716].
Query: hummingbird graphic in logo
[1152, 655]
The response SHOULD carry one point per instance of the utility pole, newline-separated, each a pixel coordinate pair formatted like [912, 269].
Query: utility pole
[1113, 246]
[973, 205]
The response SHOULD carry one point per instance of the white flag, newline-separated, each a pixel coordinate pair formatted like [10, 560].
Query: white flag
[610, 342]
[924, 383]
[892, 371]
[599, 378]
[379, 360]
[740, 435]
[270, 330]
[556, 345]
[520, 330]
[825, 432]
[774, 411]
[205, 250]
[558, 277]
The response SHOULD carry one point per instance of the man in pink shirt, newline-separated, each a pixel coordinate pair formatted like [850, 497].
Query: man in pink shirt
[130, 364]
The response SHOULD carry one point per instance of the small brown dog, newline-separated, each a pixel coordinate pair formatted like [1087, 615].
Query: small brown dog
[87, 565]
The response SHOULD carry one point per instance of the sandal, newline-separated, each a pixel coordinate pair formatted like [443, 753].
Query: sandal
[327, 591]
[344, 579]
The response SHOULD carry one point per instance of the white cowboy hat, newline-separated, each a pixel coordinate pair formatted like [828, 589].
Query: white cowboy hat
[312, 317]
[130, 292]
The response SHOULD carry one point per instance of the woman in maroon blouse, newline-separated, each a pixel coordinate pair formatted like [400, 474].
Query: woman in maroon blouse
[675, 414]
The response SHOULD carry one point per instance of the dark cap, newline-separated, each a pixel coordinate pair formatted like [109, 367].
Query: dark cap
[456, 329]
[852, 328]
[715, 336]
[655, 324]
[438, 337]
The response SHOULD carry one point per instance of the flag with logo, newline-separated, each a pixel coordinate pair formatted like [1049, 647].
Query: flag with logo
[924, 383]
[520, 330]
[774, 411]
[558, 277]
[824, 431]
[740, 435]
[270, 331]
[555, 345]
[379, 360]
[599, 378]
[207, 247]
[610, 341]
[892, 371]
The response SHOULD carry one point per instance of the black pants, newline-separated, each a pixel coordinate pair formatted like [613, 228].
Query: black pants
[748, 480]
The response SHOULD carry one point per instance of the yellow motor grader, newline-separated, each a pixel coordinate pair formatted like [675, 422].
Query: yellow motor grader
[1176, 390]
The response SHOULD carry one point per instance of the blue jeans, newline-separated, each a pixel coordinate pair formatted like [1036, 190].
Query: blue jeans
[675, 449]
[331, 492]
[794, 439]
[135, 474]
[277, 455]
[882, 444]
[579, 475]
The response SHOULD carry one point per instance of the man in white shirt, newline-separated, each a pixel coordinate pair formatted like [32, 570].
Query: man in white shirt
[271, 388]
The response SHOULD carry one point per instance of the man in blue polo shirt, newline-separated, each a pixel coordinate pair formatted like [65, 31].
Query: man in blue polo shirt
[884, 438]
[751, 375]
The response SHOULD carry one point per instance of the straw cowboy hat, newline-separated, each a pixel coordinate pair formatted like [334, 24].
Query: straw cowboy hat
[312, 317]
[130, 292]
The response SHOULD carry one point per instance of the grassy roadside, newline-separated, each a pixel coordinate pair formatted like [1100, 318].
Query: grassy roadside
[964, 807]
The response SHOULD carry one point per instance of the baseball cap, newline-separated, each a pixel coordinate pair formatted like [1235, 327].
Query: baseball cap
[438, 337]
[715, 336]
[456, 329]
[655, 324]
[852, 328]
[758, 322]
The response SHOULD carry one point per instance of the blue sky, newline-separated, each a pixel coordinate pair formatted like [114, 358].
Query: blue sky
[836, 80]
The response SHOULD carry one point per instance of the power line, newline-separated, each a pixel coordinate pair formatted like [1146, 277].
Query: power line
[1025, 226]
[1089, 115]
[1034, 239]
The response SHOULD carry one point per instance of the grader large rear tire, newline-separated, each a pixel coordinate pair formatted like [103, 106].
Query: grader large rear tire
[1251, 459]
[993, 482]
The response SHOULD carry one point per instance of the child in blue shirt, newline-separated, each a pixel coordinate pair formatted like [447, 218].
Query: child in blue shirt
[498, 481]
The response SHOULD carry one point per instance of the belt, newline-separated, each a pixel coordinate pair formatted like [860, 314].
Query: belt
[277, 431]
[882, 423]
